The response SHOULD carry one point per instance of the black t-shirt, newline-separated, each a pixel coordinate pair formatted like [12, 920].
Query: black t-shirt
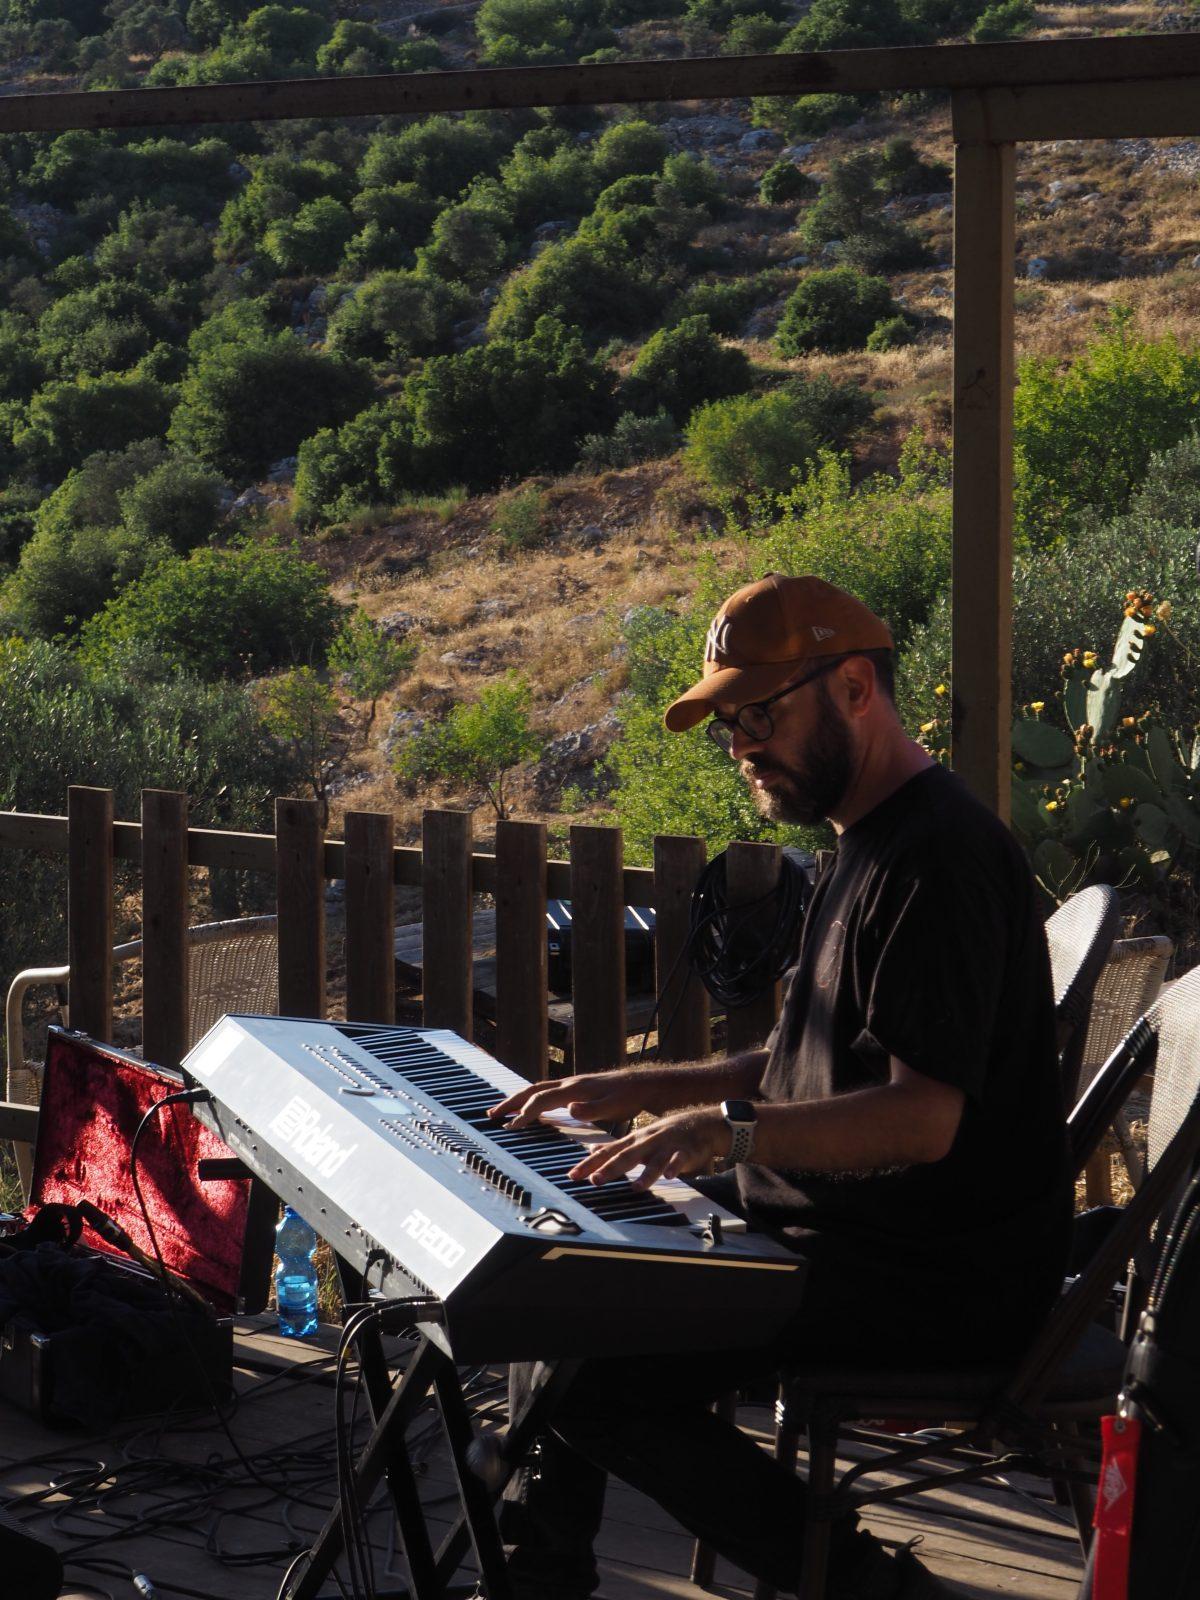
[924, 942]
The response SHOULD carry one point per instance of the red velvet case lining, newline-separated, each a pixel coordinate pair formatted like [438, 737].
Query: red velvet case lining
[93, 1098]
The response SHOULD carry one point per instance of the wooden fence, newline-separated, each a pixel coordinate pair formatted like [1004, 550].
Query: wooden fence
[449, 873]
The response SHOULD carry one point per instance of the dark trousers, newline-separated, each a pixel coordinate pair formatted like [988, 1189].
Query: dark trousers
[649, 1420]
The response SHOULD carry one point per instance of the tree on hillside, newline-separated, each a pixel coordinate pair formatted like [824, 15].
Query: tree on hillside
[476, 743]
[221, 613]
[243, 406]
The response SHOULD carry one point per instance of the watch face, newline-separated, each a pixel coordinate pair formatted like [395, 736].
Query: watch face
[739, 1111]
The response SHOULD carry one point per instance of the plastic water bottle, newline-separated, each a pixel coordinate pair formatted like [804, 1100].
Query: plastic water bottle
[295, 1276]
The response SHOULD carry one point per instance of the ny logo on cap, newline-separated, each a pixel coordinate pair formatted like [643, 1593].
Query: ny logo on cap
[717, 642]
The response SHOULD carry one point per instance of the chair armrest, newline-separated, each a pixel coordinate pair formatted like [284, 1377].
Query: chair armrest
[14, 1036]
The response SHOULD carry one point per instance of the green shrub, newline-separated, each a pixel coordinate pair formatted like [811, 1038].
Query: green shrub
[544, 179]
[758, 443]
[849, 25]
[811, 115]
[159, 248]
[1008, 19]
[1063, 598]
[1084, 434]
[625, 149]
[784, 183]
[757, 34]
[833, 310]
[243, 406]
[125, 731]
[901, 169]
[520, 32]
[686, 180]
[633, 438]
[508, 408]
[588, 283]
[720, 15]
[369, 659]
[891, 334]
[65, 574]
[849, 210]
[725, 302]
[342, 470]
[22, 367]
[469, 243]
[439, 154]
[312, 241]
[220, 613]
[519, 521]
[479, 743]
[682, 367]
[70, 420]
[396, 315]
[178, 500]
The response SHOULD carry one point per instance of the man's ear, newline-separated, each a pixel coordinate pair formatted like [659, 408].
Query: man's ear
[858, 679]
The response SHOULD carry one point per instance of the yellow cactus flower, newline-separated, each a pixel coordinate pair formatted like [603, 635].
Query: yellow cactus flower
[1149, 630]
[1164, 611]
[1069, 658]
[1125, 802]
[1037, 705]
[928, 727]
[1051, 805]
[1089, 658]
[941, 690]
[1018, 766]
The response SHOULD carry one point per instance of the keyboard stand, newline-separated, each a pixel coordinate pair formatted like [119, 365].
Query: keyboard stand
[393, 1407]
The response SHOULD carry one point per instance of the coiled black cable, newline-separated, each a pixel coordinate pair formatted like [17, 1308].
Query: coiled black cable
[738, 952]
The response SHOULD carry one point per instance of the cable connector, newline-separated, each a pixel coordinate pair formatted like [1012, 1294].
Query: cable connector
[145, 1587]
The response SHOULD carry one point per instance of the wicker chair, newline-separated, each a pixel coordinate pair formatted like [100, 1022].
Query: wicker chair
[232, 966]
[1080, 935]
[1025, 1419]
[1128, 985]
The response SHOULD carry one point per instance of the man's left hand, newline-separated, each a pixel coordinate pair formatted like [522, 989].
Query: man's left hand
[670, 1147]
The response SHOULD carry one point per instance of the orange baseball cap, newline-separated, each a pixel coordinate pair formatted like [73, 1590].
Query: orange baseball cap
[765, 633]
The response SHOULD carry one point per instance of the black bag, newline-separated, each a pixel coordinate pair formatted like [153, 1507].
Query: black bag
[1161, 1395]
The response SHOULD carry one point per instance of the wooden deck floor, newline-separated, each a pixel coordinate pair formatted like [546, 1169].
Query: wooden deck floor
[984, 1542]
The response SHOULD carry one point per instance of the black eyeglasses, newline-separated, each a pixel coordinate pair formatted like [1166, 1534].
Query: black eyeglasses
[754, 720]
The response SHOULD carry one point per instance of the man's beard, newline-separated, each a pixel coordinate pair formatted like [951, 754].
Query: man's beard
[809, 791]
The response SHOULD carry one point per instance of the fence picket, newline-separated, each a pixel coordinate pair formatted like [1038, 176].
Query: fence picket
[522, 1021]
[683, 1011]
[447, 956]
[164, 926]
[90, 909]
[370, 917]
[752, 870]
[597, 948]
[300, 898]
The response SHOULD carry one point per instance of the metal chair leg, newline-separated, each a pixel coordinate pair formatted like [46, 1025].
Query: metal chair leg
[787, 1446]
[822, 1465]
[704, 1557]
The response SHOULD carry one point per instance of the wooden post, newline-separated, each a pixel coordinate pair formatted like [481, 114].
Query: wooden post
[522, 1027]
[370, 917]
[446, 945]
[300, 899]
[90, 909]
[164, 927]
[597, 948]
[683, 1012]
[981, 652]
[751, 871]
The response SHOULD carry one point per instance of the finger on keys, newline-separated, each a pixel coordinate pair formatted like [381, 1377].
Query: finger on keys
[517, 1105]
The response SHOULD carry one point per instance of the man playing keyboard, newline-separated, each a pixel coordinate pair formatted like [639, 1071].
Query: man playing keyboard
[877, 1130]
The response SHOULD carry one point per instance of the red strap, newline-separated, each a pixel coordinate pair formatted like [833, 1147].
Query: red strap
[1113, 1520]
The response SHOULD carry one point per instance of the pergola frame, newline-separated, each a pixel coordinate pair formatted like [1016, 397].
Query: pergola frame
[1001, 94]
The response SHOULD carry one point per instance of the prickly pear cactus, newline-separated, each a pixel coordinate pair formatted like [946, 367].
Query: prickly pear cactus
[1114, 797]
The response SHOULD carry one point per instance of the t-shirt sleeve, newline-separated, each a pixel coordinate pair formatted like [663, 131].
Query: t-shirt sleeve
[942, 935]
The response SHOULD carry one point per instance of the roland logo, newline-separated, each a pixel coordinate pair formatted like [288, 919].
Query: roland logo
[299, 1125]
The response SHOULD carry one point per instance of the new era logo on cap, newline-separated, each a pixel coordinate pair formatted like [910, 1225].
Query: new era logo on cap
[822, 633]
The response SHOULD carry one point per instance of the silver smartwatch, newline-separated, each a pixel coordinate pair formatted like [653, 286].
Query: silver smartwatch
[743, 1120]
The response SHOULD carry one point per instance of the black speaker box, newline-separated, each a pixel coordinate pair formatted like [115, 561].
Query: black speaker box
[32, 1568]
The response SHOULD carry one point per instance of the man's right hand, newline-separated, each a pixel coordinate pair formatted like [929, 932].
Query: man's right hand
[591, 1096]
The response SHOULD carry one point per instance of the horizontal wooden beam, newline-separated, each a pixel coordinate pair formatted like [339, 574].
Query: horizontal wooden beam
[255, 852]
[1168, 108]
[18, 1121]
[1141, 60]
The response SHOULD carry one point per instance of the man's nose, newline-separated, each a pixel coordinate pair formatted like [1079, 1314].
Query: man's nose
[743, 742]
